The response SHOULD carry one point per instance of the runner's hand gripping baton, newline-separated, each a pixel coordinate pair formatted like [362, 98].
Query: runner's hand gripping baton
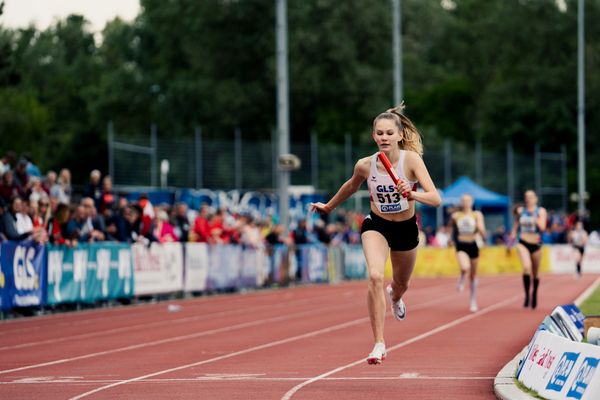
[388, 166]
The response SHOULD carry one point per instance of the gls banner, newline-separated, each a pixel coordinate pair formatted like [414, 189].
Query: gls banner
[89, 272]
[22, 278]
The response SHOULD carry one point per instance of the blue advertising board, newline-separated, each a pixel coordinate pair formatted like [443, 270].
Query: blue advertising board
[89, 272]
[23, 279]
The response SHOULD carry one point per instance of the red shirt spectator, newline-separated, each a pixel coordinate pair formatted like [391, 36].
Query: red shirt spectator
[201, 231]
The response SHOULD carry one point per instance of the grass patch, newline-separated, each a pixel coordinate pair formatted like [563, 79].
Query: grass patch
[591, 306]
[525, 389]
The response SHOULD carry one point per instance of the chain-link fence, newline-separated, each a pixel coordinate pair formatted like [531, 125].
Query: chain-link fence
[236, 163]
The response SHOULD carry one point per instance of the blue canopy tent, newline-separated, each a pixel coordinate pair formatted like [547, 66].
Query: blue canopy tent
[490, 203]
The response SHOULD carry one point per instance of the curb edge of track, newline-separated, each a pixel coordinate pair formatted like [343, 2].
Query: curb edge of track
[505, 387]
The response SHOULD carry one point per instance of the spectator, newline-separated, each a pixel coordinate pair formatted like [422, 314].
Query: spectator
[23, 221]
[34, 213]
[300, 234]
[62, 190]
[22, 177]
[57, 225]
[323, 234]
[147, 215]
[201, 231]
[44, 210]
[181, 222]
[276, 236]
[163, 230]
[250, 233]
[86, 226]
[116, 221]
[36, 190]
[108, 199]
[31, 168]
[8, 187]
[135, 225]
[93, 188]
[7, 161]
[49, 182]
[8, 221]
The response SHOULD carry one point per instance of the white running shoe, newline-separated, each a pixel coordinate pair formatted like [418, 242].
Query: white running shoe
[473, 307]
[460, 285]
[398, 307]
[378, 354]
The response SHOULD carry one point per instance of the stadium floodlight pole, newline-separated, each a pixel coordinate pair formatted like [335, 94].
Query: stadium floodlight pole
[397, 39]
[283, 115]
[581, 105]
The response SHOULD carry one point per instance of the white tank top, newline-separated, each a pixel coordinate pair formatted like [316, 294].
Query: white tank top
[465, 224]
[382, 188]
[577, 238]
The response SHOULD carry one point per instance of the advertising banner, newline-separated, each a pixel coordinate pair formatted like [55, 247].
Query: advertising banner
[158, 268]
[312, 261]
[591, 259]
[23, 278]
[224, 263]
[558, 368]
[89, 272]
[109, 272]
[355, 266]
[196, 267]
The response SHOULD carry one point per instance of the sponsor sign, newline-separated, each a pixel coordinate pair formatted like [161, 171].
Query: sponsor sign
[224, 263]
[559, 368]
[158, 268]
[89, 272]
[22, 276]
[196, 266]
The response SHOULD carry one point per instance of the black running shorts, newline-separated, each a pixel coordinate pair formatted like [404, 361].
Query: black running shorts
[468, 247]
[531, 247]
[400, 235]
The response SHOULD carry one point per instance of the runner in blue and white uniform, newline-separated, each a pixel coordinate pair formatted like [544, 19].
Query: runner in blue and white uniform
[391, 225]
[530, 222]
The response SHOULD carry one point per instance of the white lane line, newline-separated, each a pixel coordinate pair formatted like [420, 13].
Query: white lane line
[60, 381]
[583, 296]
[156, 324]
[417, 338]
[260, 347]
[170, 340]
[186, 319]
[149, 308]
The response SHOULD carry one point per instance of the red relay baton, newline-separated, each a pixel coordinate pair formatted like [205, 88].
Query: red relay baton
[388, 166]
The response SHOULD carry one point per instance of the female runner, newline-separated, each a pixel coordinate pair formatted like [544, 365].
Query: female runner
[578, 238]
[530, 222]
[391, 228]
[467, 223]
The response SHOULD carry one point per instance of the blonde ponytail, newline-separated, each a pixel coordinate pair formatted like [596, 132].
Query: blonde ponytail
[411, 138]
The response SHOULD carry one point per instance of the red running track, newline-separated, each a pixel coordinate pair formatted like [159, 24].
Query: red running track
[301, 343]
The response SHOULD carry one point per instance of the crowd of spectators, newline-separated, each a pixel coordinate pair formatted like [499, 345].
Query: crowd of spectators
[47, 209]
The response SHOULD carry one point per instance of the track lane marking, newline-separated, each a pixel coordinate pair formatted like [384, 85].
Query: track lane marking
[267, 345]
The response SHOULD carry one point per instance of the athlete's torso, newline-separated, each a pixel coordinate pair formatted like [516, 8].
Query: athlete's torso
[528, 228]
[386, 201]
[466, 226]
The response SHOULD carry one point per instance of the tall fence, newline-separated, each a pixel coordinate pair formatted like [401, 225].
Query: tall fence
[236, 163]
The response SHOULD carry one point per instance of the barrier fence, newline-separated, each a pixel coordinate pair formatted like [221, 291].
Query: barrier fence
[32, 275]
